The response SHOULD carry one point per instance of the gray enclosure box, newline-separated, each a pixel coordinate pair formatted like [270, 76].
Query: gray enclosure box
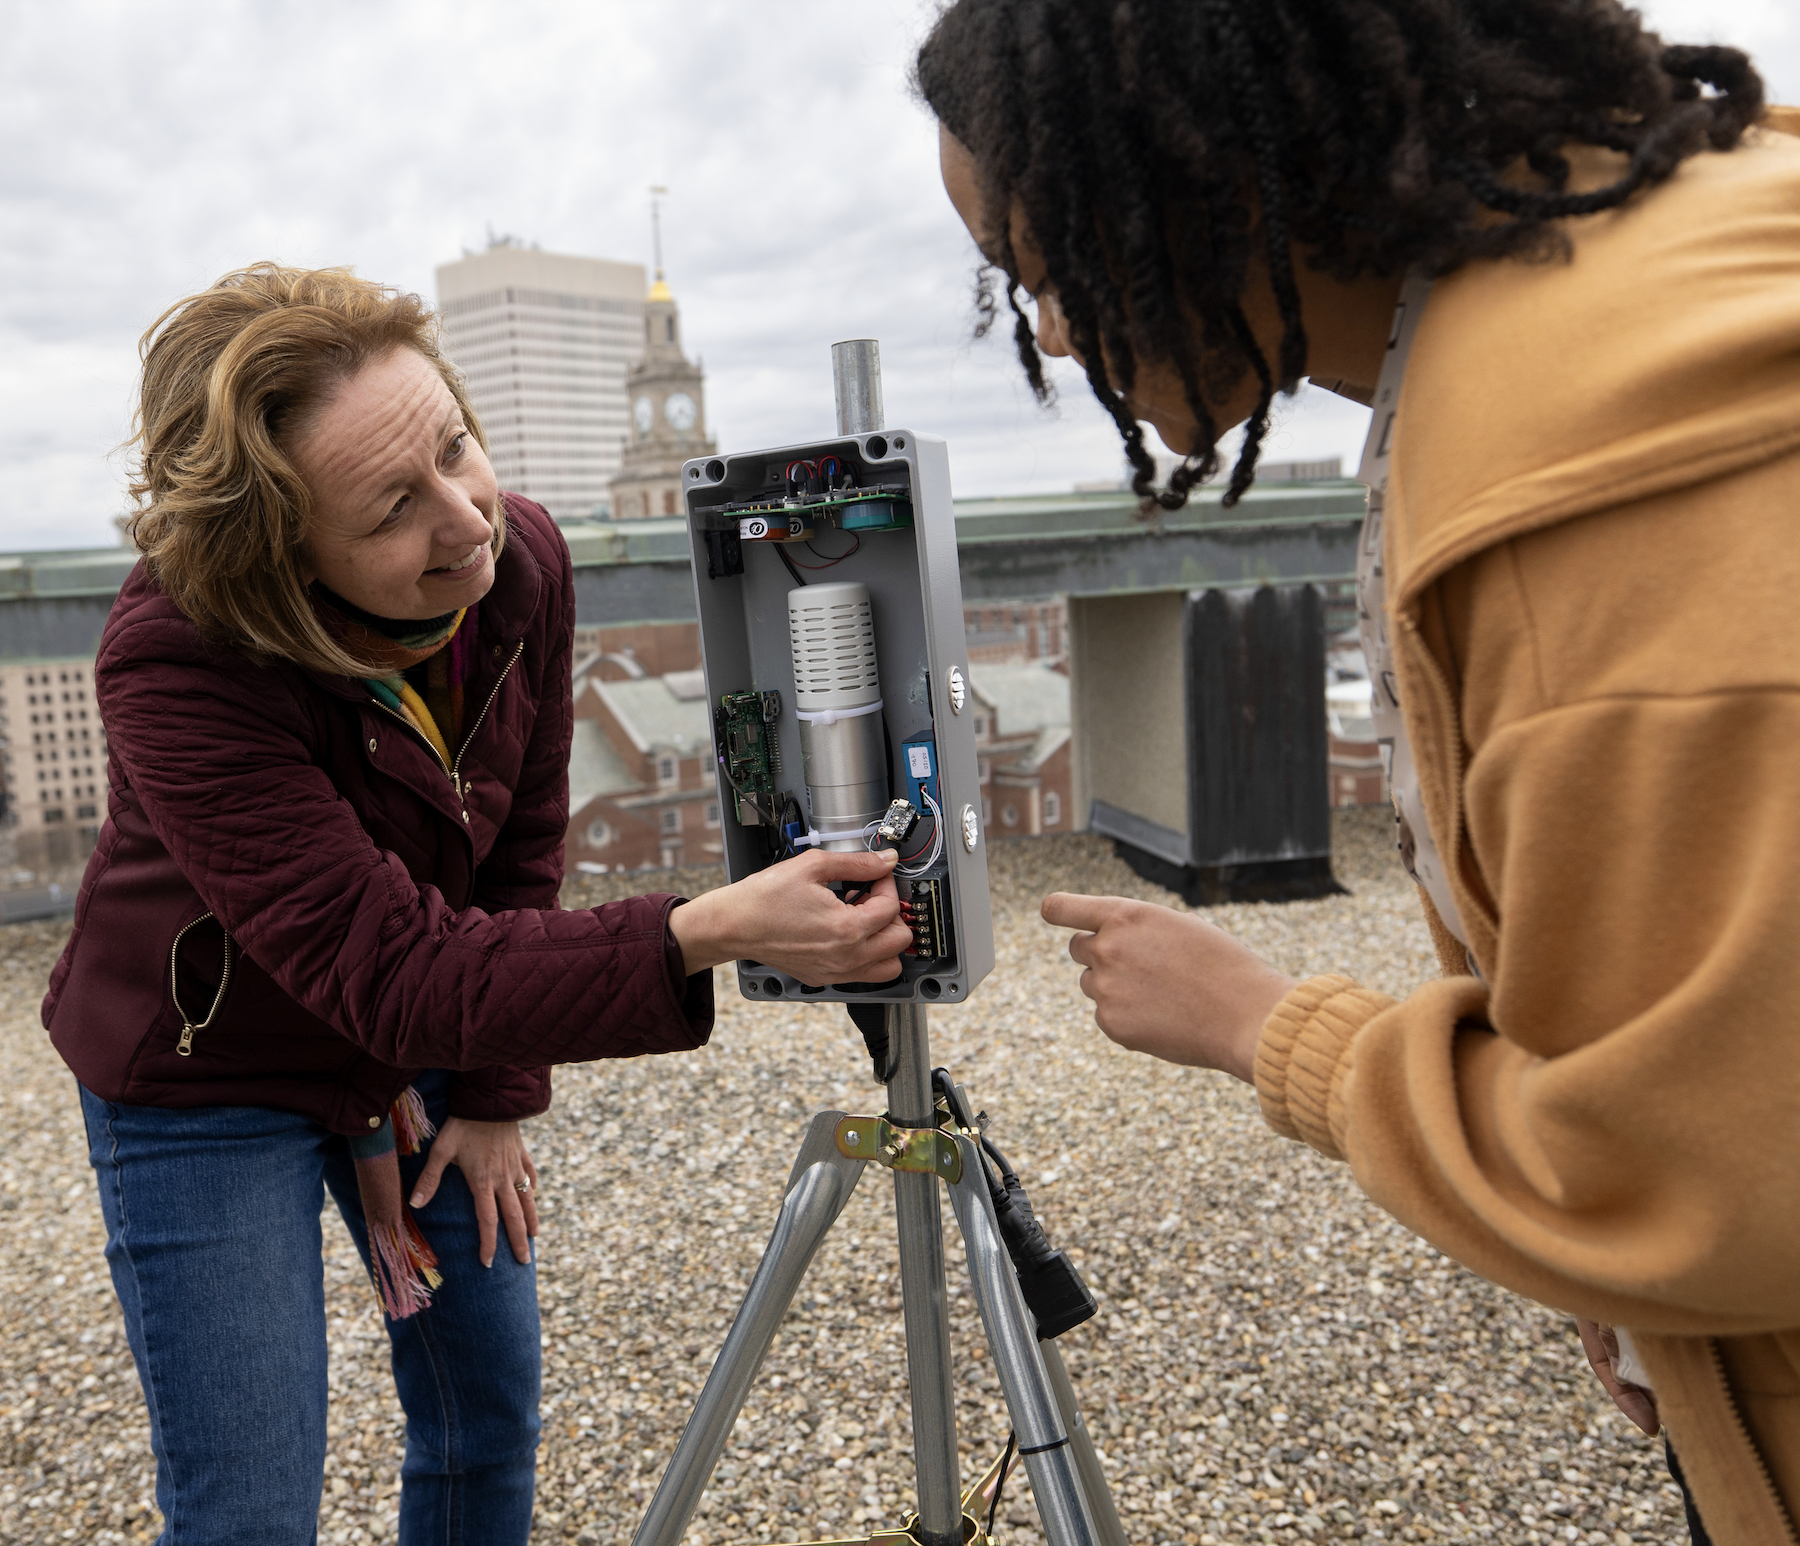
[915, 593]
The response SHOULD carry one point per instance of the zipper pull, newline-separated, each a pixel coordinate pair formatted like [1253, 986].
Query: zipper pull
[186, 1045]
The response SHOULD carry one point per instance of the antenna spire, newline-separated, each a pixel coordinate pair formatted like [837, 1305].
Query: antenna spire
[657, 195]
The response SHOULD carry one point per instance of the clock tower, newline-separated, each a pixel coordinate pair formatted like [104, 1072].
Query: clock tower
[667, 398]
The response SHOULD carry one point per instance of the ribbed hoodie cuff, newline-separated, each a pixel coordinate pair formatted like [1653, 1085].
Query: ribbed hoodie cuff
[1304, 1054]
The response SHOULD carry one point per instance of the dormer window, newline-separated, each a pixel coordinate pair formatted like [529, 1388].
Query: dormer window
[666, 769]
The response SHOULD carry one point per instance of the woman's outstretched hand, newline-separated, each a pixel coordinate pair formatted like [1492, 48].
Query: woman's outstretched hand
[1168, 983]
[495, 1162]
[786, 917]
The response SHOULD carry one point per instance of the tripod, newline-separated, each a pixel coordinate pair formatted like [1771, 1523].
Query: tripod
[928, 1135]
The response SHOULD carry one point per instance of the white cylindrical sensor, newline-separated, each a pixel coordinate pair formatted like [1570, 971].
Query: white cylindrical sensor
[837, 700]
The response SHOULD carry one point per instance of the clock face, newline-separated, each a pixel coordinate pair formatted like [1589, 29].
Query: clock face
[680, 411]
[643, 412]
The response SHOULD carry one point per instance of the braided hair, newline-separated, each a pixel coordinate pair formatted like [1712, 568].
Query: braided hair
[1156, 148]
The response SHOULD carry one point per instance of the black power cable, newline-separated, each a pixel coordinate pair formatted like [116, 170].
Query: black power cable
[1006, 1460]
[1053, 1287]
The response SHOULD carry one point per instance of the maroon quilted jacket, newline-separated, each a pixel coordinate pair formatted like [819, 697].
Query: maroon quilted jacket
[384, 917]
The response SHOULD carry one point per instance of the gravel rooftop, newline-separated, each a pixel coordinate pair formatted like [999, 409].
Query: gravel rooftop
[1274, 1359]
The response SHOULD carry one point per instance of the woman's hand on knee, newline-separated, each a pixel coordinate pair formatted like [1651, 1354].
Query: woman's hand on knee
[1168, 983]
[497, 1166]
[788, 917]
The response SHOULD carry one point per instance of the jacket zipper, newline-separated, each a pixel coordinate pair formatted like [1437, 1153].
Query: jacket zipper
[453, 771]
[1743, 1432]
[185, 1046]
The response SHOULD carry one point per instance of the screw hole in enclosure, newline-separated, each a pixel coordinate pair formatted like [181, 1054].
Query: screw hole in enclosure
[931, 987]
[693, 472]
[772, 987]
[715, 470]
[749, 984]
[899, 442]
[876, 446]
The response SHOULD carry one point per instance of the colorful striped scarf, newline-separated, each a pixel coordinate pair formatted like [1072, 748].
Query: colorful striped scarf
[422, 682]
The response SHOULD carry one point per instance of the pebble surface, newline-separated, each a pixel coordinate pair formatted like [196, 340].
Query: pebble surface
[1274, 1359]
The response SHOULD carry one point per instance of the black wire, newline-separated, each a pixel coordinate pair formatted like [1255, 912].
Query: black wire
[781, 553]
[855, 547]
[1012, 1440]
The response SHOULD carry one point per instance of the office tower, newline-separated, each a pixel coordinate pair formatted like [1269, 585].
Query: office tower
[545, 340]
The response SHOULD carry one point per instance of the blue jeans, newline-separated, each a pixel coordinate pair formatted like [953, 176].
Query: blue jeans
[212, 1233]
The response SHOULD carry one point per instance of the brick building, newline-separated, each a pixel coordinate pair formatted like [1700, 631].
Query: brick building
[1021, 723]
[636, 649]
[1015, 632]
[1355, 776]
[642, 787]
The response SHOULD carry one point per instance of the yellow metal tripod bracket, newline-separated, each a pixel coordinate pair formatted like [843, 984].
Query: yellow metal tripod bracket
[905, 1534]
[900, 1148]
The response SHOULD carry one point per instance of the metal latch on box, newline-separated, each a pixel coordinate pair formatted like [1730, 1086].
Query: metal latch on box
[900, 1148]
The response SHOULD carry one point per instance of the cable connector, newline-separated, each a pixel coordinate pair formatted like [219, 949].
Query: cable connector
[1054, 1289]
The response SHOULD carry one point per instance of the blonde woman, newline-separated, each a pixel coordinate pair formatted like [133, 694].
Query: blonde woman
[318, 946]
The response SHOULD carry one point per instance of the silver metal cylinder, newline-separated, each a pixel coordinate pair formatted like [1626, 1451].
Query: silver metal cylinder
[846, 777]
[922, 1289]
[856, 374]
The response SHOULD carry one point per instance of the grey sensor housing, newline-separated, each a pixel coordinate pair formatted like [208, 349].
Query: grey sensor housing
[883, 520]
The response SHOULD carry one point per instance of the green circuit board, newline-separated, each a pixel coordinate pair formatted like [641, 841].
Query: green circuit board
[750, 754]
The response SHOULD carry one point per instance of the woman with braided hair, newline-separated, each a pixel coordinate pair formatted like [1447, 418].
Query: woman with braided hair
[1562, 262]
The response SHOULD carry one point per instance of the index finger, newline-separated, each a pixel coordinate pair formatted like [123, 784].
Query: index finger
[852, 865]
[1071, 910]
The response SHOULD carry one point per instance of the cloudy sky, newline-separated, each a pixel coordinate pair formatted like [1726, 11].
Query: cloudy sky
[151, 145]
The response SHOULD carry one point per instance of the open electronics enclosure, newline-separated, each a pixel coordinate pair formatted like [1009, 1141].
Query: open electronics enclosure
[915, 590]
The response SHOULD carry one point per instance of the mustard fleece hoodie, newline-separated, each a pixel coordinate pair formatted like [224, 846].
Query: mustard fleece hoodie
[1594, 573]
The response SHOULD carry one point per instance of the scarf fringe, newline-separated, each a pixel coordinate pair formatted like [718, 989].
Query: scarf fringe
[403, 1266]
[412, 1128]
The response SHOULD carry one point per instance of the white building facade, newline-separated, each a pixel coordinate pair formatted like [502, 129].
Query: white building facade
[544, 341]
[55, 748]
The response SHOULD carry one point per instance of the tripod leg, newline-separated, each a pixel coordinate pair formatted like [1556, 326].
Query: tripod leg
[1012, 1339]
[1107, 1524]
[819, 1186]
[922, 1289]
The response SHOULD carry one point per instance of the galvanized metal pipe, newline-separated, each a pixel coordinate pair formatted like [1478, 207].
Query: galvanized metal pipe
[856, 376]
[820, 1185]
[1012, 1340]
[922, 1288]
[1094, 1485]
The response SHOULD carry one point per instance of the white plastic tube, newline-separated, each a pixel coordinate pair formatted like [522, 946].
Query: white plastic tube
[837, 700]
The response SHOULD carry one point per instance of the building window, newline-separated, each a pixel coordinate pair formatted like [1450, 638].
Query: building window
[1052, 808]
[668, 501]
[599, 834]
[1009, 815]
[980, 727]
[712, 813]
[987, 811]
[85, 813]
[53, 814]
[671, 818]
[666, 769]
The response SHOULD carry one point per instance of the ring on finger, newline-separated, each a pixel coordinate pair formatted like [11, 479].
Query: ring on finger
[521, 1186]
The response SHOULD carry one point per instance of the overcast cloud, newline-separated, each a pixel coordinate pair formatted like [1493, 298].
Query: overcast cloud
[151, 146]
